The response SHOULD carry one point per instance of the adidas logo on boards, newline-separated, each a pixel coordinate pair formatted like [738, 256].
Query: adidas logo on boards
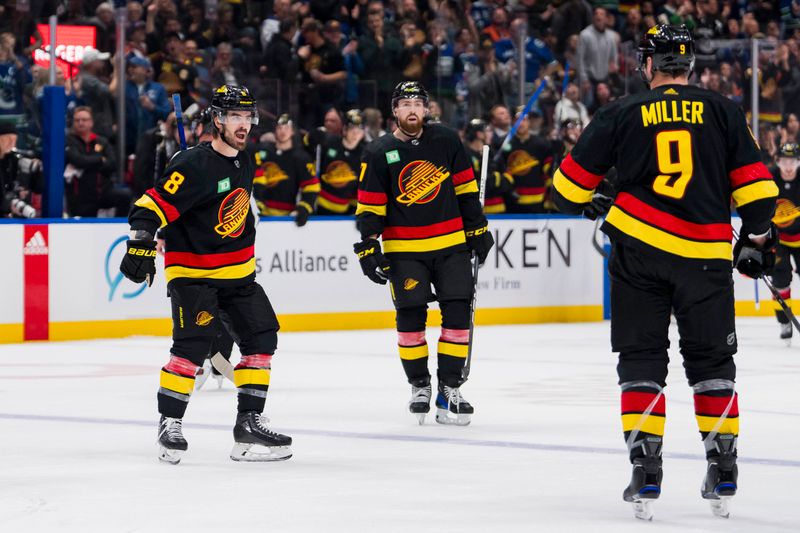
[36, 245]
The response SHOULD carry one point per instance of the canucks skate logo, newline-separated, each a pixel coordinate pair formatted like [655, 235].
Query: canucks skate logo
[233, 213]
[520, 163]
[420, 182]
[270, 175]
[204, 318]
[339, 174]
[785, 213]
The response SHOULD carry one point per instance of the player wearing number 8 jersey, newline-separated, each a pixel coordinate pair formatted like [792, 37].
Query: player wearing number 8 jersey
[682, 154]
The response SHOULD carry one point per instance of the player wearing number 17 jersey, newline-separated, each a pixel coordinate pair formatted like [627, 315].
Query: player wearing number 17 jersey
[682, 154]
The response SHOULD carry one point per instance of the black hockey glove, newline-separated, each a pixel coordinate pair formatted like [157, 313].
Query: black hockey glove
[373, 262]
[302, 212]
[480, 241]
[139, 263]
[752, 260]
[598, 207]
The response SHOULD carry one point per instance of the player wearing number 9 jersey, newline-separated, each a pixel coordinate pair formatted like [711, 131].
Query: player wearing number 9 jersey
[682, 154]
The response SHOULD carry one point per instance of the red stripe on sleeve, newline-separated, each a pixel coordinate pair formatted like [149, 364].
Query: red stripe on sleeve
[497, 200]
[786, 237]
[581, 176]
[335, 199]
[746, 174]
[637, 402]
[715, 405]
[372, 198]
[423, 232]
[671, 223]
[530, 190]
[463, 177]
[307, 183]
[169, 210]
[283, 206]
[209, 260]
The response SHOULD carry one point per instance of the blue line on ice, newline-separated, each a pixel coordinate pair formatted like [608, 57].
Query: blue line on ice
[394, 437]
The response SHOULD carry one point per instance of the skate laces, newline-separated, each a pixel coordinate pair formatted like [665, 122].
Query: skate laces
[173, 427]
[453, 395]
[261, 423]
[420, 394]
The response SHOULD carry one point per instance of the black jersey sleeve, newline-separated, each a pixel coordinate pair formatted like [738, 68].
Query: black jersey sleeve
[181, 186]
[309, 186]
[372, 192]
[583, 169]
[466, 186]
[753, 188]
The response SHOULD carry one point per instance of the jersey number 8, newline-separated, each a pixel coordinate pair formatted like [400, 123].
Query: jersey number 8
[671, 162]
[174, 181]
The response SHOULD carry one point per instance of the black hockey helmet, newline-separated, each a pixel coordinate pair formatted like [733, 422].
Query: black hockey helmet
[233, 98]
[353, 118]
[473, 127]
[409, 89]
[789, 150]
[671, 48]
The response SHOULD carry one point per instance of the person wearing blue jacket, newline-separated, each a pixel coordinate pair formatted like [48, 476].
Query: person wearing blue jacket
[146, 101]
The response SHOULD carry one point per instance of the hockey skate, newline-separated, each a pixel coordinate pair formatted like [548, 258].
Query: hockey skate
[420, 403]
[786, 333]
[171, 444]
[645, 486]
[254, 441]
[452, 408]
[719, 485]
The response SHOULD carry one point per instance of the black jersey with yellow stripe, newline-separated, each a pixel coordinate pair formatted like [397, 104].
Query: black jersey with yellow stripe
[787, 210]
[419, 195]
[282, 176]
[203, 203]
[339, 176]
[527, 162]
[682, 154]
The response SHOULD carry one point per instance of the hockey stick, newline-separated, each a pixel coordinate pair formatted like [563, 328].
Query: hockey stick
[515, 127]
[223, 366]
[176, 101]
[781, 302]
[475, 266]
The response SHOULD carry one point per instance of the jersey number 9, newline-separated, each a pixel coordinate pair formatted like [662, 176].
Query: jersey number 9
[673, 162]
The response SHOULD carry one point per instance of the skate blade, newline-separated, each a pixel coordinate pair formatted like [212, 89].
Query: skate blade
[173, 457]
[220, 380]
[788, 342]
[719, 508]
[643, 509]
[248, 452]
[444, 416]
[420, 418]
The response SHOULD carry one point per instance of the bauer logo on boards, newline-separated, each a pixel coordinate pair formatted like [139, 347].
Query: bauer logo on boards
[36, 245]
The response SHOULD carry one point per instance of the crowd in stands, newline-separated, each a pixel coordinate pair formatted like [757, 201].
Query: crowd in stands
[316, 59]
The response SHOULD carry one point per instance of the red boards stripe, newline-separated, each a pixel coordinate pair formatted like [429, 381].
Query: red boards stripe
[35, 251]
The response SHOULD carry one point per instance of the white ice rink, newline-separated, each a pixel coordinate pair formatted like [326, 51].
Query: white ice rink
[544, 451]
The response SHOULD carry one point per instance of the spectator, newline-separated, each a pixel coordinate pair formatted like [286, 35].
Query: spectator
[146, 101]
[373, 124]
[500, 121]
[14, 75]
[174, 71]
[597, 53]
[489, 85]
[282, 11]
[197, 27]
[90, 164]
[224, 29]
[571, 17]
[74, 12]
[224, 72]
[198, 59]
[499, 28]
[322, 71]
[413, 52]
[280, 64]
[790, 129]
[382, 54]
[135, 12]
[96, 93]
[106, 27]
[634, 28]
[136, 39]
[676, 12]
[153, 151]
[353, 65]
[602, 96]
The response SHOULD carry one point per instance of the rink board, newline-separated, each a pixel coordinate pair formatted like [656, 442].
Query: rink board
[543, 269]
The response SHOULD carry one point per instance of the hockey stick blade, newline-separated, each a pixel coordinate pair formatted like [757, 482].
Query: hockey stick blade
[223, 366]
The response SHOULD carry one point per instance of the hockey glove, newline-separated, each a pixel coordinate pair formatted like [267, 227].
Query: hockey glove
[373, 262]
[480, 241]
[598, 207]
[139, 263]
[753, 260]
[302, 212]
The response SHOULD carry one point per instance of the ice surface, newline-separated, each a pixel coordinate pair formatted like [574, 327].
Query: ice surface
[544, 451]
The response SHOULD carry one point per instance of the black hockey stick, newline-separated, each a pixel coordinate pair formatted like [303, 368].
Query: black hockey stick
[475, 266]
[781, 302]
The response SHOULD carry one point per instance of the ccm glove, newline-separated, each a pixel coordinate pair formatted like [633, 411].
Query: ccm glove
[753, 260]
[480, 241]
[303, 210]
[373, 262]
[139, 263]
[598, 207]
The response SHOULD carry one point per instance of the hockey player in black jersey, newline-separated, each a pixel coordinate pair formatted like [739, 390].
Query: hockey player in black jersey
[787, 219]
[499, 186]
[286, 181]
[203, 203]
[340, 165]
[418, 193]
[682, 154]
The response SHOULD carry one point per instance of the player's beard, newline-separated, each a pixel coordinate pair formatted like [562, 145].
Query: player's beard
[410, 128]
[232, 141]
